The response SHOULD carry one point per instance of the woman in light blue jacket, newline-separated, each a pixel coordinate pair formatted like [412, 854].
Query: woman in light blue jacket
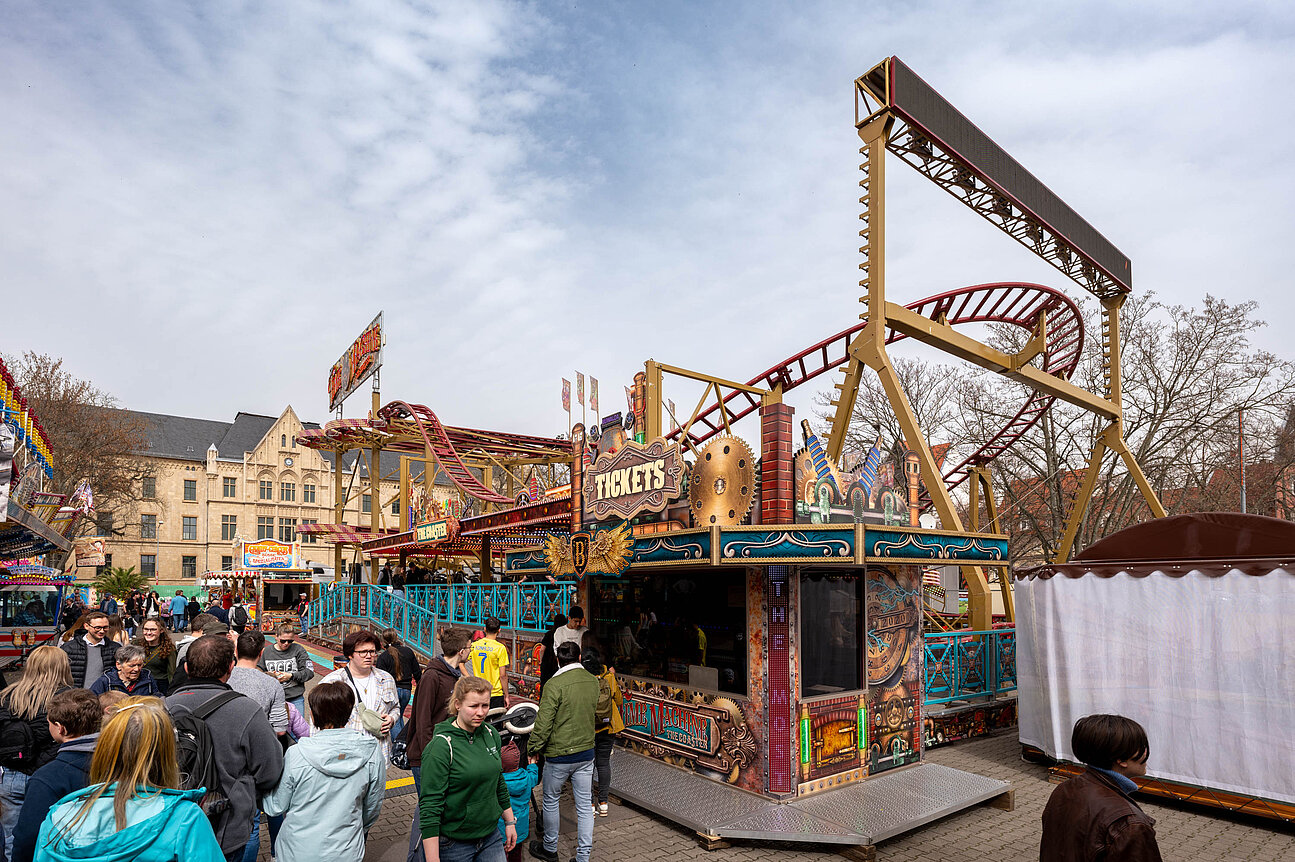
[132, 809]
[332, 785]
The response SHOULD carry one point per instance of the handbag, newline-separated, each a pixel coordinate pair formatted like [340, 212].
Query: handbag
[369, 720]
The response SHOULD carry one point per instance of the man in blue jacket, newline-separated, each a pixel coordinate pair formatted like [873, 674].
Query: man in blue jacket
[74, 717]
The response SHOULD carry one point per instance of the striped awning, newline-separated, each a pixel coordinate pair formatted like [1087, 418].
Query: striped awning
[343, 534]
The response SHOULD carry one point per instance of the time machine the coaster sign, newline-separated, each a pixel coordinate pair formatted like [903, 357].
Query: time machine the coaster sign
[636, 478]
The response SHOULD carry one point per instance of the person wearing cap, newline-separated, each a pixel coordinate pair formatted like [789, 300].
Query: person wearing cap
[521, 778]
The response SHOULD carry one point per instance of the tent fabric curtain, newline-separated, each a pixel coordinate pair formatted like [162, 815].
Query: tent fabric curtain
[1205, 664]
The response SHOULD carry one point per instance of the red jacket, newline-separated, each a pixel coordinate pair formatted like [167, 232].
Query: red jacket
[1090, 819]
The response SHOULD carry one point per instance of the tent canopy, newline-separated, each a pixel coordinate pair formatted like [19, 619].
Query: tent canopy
[1199, 536]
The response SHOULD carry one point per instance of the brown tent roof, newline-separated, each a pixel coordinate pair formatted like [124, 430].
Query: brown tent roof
[1210, 542]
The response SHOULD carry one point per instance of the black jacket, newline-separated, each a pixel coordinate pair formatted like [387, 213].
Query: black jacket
[410, 671]
[68, 771]
[76, 650]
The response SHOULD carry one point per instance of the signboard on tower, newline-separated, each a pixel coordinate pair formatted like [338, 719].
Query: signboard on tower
[358, 363]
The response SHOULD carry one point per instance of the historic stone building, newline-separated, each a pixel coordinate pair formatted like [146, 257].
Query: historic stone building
[207, 484]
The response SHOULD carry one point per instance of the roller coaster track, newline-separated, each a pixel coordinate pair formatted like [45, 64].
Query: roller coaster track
[437, 440]
[1016, 303]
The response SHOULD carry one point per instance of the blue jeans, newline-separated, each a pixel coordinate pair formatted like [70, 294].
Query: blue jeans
[404, 694]
[253, 848]
[581, 776]
[488, 849]
[13, 790]
[300, 703]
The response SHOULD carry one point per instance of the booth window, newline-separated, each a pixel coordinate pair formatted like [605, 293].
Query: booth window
[307, 493]
[189, 528]
[264, 527]
[228, 527]
[148, 564]
[231, 487]
[148, 488]
[831, 632]
[191, 490]
[188, 567]
[683, 627]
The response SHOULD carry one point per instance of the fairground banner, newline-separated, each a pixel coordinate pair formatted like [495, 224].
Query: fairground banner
[358, 363]
[90, 552]
[269, 554]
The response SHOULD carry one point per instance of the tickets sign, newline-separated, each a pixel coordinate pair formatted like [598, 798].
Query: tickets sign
[357, 364]
[635, 478]
[269, 554]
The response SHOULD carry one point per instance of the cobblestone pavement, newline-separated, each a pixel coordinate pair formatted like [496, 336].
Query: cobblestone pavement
[980, 833]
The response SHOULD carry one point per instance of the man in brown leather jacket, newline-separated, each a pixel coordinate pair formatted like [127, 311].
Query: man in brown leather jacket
[1092, 818]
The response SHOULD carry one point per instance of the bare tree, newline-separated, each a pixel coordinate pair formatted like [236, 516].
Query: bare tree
[90, 438]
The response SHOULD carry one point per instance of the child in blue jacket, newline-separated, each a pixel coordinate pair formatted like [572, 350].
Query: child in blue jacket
[521, 779]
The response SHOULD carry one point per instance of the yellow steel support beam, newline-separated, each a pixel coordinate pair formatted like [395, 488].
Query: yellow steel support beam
[964, 347]
[1085, 493]
[982, 481]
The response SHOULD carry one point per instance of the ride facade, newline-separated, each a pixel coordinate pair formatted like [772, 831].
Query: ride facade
[764, 605]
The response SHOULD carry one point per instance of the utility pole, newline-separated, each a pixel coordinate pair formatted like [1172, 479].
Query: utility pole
[1241, 444]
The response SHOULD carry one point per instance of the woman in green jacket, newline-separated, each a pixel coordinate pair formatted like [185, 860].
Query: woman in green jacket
[463, 793]
[159, 652]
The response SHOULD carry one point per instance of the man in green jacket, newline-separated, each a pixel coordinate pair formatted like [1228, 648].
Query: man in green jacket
[564, 734]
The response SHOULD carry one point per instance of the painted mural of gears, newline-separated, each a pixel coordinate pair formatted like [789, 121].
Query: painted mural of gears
[721, 484]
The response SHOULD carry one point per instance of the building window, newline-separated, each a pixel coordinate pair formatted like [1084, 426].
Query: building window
[148, 526]
[231, 487]
[107, 564]
[188, 567]
[366, 503]
[189, 528]
[287, 529]
[395, 506]
[307, 493]
[831, 645]
[228, 527]
[288, 491]
[264, 527]
[103, 523]
[148, 565]
[309, 538]
[283, 441]
[191, 489]
[148, 488]
[227, 564]
[267, 490]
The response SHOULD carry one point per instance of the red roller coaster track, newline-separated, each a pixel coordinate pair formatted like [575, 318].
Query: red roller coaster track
[1016, 303]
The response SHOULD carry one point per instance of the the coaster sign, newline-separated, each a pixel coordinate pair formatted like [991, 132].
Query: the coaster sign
[639, 477]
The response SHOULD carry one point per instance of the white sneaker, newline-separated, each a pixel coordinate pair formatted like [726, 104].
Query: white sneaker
[601, 808]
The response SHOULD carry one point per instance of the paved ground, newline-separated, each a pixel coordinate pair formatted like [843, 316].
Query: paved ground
[981, 833]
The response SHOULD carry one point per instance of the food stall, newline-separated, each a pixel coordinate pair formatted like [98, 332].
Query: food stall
[272, 577]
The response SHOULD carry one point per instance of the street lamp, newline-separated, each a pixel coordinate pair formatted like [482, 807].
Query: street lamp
[157, 532]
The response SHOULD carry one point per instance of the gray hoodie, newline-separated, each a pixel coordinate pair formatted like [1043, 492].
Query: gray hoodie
[331, 793]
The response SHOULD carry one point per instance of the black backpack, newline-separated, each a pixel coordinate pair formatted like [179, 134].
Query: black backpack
[196, 756]
[17, 743]
[241, 619]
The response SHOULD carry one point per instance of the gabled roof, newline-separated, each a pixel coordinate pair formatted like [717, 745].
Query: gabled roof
[179, 436]
[244, 434]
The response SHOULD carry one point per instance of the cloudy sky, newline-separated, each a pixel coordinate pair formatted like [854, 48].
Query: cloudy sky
[204, 203]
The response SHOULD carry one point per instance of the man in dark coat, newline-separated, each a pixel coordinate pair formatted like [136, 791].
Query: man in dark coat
[90, 652]
[74, 717]
[1092, 816]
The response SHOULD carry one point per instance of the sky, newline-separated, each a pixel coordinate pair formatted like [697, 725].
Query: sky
[205, 203]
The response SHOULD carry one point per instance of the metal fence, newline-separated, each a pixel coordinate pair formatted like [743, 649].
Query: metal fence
[963, 665]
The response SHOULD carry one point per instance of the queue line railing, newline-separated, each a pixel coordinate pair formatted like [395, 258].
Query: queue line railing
[970, 665]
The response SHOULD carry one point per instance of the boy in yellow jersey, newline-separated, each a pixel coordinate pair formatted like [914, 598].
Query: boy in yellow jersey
[489, 659]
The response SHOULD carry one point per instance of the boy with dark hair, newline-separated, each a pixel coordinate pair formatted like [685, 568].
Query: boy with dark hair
[490, 662]
[74, 718]
[1093, 816]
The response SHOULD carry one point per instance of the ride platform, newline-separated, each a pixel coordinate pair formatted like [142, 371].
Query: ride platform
[860, 813]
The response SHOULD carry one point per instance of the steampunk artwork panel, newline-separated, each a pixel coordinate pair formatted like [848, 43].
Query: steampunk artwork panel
[878, 487]
[832, 734]
[892, 598]
[710, 734]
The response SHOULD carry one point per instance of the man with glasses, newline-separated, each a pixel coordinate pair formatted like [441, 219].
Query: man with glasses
[90, 652]
[289, 663]
[377, 703]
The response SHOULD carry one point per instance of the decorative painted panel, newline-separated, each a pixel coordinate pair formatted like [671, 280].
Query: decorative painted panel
[831, 734]
[786, 545]
[678, 547]
[915, 544]
[893, 598]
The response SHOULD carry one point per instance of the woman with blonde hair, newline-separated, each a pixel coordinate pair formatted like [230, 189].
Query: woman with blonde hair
[26, 744]
[133, 807]
[463, 794]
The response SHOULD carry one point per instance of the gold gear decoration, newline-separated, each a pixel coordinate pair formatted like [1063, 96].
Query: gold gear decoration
[721, 484]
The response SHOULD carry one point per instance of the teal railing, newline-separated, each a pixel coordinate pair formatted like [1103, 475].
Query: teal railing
[523, 608]
[963, 665]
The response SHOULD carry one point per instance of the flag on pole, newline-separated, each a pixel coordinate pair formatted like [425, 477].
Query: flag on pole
[566, 395]
[593, 395]
[580, 389]
[868, 474]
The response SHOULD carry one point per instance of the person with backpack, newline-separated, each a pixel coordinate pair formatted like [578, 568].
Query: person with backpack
[74, 717]
[564, 734]
[607, 718]
[239, 617]
[222, 726]
[432, 700]
[90, 650]
[463, 793]
[332, 787]
[25, 741]
[134, 808]
[399, 661]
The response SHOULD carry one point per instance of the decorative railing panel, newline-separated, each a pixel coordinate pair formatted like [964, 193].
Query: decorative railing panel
[963, 665]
